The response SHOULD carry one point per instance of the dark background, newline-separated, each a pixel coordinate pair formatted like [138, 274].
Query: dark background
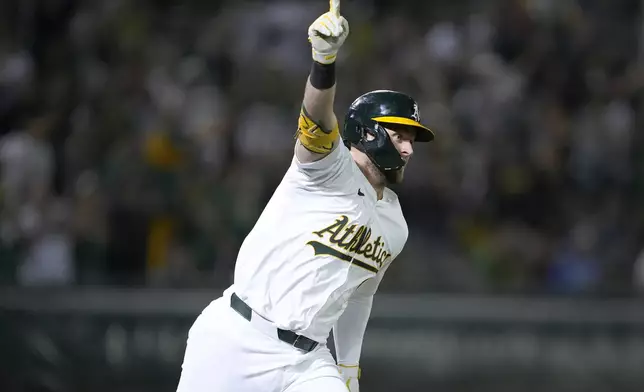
[140, 140]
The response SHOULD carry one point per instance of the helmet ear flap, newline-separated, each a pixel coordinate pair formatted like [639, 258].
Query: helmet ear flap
[356, 131]
[379, 148]
[379, 134]
[352, 132]
[371, 127]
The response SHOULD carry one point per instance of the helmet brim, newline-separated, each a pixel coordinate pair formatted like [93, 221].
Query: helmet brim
[424, 134]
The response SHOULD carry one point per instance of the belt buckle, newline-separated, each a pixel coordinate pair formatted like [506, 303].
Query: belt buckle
[297, 338]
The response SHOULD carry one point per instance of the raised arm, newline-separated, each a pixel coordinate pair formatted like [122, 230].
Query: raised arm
[318, 133]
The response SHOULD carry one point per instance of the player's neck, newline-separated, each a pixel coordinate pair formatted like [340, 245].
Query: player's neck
[377, 183]
[380, 192]
[371, 172]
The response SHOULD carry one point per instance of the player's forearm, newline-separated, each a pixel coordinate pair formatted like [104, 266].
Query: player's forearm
[349, 331]
[319, 95]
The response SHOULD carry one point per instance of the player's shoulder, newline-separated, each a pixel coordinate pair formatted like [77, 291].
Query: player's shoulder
[393, 203]
[394, 219]
[332, 172]
[338, 156]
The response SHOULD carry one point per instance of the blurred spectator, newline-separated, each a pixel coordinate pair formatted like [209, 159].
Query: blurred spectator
[27, 174]
[89, 225]
[27, 169]
[49, 258]
[574, 269]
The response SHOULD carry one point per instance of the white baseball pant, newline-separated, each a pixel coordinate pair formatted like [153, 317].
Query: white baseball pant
[226, 353]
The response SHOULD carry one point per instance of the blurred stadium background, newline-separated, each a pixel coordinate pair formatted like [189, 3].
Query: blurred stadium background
[141, 139]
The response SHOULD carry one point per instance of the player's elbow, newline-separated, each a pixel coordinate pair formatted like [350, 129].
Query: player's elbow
[361, 299]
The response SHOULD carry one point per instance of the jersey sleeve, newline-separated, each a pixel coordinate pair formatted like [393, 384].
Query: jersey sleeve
[333, 171]
[349, 330]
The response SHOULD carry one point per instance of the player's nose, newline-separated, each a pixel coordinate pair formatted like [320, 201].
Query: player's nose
[406, 149]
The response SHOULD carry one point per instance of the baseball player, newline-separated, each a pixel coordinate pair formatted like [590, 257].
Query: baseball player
[315, 257]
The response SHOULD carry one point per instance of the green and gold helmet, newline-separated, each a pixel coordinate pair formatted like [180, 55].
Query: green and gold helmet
[370, 114]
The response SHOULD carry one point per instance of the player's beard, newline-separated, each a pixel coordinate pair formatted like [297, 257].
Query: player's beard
[395, 177]
[391, 177]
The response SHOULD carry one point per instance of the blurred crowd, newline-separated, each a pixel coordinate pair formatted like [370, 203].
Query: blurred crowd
[141, 139]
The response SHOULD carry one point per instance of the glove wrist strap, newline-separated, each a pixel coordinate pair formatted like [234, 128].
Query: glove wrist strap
[351, 370]
[323, 58]
[322, 75]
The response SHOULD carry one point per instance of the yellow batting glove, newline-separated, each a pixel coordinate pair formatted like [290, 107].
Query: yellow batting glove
[350, 374]
[327, 34]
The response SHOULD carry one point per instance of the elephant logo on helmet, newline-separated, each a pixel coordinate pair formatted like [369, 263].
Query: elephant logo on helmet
[416, 114]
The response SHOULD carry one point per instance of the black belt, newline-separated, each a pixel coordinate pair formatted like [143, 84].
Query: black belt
[290, 337]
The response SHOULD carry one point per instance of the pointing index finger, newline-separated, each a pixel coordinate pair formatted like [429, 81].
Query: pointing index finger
[334, 6]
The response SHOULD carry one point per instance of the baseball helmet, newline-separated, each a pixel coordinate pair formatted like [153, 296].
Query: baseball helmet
[370, 113]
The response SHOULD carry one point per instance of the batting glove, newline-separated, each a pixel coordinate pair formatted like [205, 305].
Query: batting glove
[326, 35]
[350, 375]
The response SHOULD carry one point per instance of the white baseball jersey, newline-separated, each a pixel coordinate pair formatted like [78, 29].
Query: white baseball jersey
[322, 234]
